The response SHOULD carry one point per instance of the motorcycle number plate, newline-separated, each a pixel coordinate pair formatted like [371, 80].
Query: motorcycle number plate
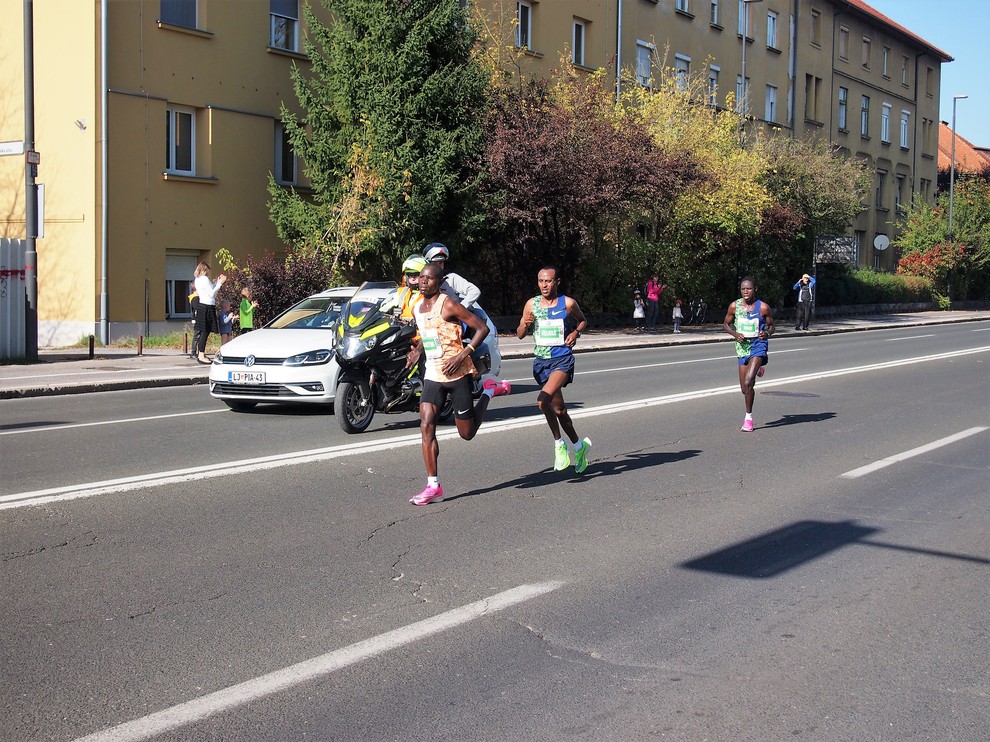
[246, 377]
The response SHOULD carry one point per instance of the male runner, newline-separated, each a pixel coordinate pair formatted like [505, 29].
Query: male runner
[448, 370]
[557, 322]
[750, 322]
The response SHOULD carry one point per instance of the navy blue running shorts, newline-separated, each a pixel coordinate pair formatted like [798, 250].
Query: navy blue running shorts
[543, 367]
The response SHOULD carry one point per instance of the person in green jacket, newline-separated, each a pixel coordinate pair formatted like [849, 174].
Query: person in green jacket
[248, 305]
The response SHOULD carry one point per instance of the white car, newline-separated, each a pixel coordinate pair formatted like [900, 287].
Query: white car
[290, 359]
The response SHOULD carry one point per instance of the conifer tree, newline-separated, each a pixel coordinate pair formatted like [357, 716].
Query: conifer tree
[390, 130]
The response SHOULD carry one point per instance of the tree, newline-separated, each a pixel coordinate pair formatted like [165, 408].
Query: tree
[568, 178]
[390, 131]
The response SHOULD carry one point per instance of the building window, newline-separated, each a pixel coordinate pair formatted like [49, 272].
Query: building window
[743, 18]
[864, 116]
[905, 126]
[843, 109]
[771, 107]
[885, 123]
[881, 189]
[577, 42]
[843, 42]
[713, 18]
[179, 269]
[904, 70]
[926, 189]
[180, 140]
[812, 90]
[682, 70]
[929, 82]
[742, 96]
[772, 29]
[644, 62]
[713, 86]
[682, 5]
[285, 157]
[285, 25]
[816, 27]
[899, 204]
[524, 25]
[927, 136]
[178, 13]
[885, 62]
[867, 52]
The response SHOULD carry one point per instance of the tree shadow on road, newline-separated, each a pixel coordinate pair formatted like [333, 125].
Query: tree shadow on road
[595, 470]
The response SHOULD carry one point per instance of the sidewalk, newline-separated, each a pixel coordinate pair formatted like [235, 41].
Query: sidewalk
[72, 372]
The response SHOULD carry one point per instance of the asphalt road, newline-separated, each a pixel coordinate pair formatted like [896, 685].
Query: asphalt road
[162, 571]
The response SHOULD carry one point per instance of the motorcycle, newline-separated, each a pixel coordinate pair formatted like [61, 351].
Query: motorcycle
[371, 349]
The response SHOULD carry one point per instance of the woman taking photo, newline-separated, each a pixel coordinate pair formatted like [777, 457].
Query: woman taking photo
[206, 318]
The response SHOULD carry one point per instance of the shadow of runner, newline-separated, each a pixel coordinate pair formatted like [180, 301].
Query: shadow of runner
[544, 478]
[799, 419]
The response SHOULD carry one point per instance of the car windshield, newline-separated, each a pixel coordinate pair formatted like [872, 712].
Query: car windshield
[314, 313]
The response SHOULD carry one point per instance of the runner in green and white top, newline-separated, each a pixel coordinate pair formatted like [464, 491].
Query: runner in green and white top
[750, 322]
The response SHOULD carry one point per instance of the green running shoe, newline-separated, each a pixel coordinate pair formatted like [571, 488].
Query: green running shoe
[581, 456]
[561, 458]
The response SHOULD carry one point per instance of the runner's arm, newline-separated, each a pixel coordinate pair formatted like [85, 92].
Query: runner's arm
[730, 321]
[526, 321]
[574, 310]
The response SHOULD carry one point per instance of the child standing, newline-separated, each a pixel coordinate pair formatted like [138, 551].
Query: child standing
[226, 320]
[639, 311]
[678, 316]
[248, 305]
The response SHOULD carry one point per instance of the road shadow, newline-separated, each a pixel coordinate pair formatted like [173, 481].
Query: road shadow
[779, 551]
[799, 419]
[33, 424]
[596, 469]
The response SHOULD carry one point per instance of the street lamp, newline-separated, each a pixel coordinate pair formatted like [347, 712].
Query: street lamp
[952, 163]
[743, 94]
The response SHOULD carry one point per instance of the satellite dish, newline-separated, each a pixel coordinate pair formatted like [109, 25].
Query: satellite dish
[881, 242]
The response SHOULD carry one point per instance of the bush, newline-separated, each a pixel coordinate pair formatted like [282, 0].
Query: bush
[839, 285]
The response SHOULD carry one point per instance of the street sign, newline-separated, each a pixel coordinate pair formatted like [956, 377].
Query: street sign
[11, 148]
[33, 157]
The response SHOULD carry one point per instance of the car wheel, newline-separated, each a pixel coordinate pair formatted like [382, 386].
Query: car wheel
[353, 406]
[239, 405]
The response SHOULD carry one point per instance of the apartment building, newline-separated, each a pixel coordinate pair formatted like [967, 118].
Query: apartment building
[157, 121]
[190, 100]
[834, 69]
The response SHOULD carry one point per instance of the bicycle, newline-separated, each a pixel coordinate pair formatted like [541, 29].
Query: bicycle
[697, 312]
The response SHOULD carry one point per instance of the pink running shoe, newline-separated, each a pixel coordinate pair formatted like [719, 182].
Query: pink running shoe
[498, 387]
[747, 426]
[761, 371]
[430, 494]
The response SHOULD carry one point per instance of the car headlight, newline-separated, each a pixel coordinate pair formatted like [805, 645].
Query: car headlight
[351, 346]
[218, 357]
[312, 358]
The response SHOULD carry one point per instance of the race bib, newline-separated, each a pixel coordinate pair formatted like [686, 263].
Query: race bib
[748, 328]
[550, 332]
[431, 344]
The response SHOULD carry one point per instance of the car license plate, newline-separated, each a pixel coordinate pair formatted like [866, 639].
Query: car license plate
[246, 377]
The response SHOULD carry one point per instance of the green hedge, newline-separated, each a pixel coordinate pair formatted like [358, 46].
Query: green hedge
[839, 285]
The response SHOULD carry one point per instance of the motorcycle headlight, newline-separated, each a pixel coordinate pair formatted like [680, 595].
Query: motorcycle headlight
[351, 347]
[312, 358]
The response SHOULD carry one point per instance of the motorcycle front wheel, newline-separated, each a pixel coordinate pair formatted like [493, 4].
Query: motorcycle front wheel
[353, 406]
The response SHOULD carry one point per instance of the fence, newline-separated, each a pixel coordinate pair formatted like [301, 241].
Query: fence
[13, 299]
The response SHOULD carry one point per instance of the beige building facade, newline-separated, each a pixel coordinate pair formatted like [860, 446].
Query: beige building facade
[157, 121]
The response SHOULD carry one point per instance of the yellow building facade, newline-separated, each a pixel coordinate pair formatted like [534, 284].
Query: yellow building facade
[190, 93]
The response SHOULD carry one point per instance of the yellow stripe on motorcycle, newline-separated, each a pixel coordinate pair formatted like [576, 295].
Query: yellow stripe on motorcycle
[374, 330]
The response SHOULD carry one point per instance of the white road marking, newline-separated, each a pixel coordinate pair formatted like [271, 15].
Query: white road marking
[67, 426]
[883, 463]
[221, 469]
[912, 337]
[982, 329]
[209, 705]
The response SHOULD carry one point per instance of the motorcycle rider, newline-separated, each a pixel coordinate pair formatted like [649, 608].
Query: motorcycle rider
[462, 290]
[448, 371]
[408, 295]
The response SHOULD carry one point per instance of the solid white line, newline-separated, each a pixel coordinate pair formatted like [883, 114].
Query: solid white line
[209, 705]
[209, 471]
[982, 329]
[883, 463]
[912, 337]
[67, 426]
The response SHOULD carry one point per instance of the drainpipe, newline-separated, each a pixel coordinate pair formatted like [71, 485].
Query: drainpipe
[104, 238]
[618, 52]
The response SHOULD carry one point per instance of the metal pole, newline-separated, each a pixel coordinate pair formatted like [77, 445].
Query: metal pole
[30, 191]
[952, 164]
[618, 52]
